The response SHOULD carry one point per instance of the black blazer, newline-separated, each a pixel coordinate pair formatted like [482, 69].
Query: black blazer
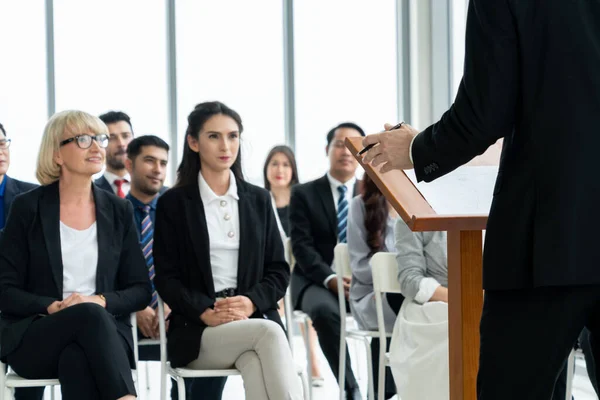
[313, 230]
[102, 183]
[13, 188]
[31, 270]
[528, 63]
[183, 268]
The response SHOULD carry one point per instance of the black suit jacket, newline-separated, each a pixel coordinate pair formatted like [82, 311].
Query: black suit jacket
[102, 183]
[531, 77]
[183, 267]
[313, 230]
[13, 188]
[31, 270]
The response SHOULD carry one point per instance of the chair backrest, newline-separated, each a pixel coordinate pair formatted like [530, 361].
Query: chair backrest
[341, 260]
[287, 298]
[289, 255]
[385, 273]
[384, 268]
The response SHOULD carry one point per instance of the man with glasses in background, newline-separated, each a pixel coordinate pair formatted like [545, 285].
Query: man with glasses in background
[116, 179]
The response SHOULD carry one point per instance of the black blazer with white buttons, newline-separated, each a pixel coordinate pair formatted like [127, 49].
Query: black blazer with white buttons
[183, 268]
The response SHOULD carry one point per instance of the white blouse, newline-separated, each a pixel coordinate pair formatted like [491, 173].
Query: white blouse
[223, 223]
[80, 259]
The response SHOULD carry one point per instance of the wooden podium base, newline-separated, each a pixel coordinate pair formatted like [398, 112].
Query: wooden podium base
[465, 302]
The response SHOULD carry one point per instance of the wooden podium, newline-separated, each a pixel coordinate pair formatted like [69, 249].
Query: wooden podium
[465, 293]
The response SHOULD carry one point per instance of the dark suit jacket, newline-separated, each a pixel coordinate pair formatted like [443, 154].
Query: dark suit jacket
[13, 188]
[313, 230]
[31, 270]
[102, 183]
[531, 77]
[183, 267]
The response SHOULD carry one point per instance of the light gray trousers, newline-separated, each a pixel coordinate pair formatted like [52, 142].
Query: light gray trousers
[259, 349]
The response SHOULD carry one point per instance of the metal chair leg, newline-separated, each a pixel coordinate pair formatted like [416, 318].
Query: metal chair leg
[370, 380]
[181, 388]
[308, 357]
[147, 367]
[570, 372]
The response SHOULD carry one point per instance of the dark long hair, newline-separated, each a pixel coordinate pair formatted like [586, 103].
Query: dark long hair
[289, 153]
[187, 173]
[376, 214]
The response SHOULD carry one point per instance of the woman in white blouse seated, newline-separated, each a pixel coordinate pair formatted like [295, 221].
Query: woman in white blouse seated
[71, 270]
[220, 263]
[419, 348]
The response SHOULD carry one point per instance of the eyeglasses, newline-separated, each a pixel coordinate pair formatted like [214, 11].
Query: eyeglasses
[4, 144]
[85, 141]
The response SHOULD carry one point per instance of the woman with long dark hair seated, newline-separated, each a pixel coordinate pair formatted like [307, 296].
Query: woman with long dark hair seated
[71, 270]
[281, 174]
[220, 263]
[371, 222]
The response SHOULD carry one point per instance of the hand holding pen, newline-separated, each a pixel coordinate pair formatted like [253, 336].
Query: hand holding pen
[391, 148]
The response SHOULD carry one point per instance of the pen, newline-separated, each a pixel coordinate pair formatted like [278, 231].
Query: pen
[369, 147]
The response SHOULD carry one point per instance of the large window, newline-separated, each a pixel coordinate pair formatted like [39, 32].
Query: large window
[345, 71]
[232, 51]
[111, 55]
[459, 19]
[23, 97]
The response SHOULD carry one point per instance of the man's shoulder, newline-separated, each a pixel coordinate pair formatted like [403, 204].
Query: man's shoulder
[311, 186]
[23, 186]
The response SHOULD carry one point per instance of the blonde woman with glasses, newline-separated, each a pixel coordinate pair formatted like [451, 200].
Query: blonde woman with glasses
[65, 305]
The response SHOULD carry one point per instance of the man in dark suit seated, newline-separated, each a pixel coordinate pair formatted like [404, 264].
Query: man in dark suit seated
[318, 214]
[146, 164]
[9, 189]
[116, 179]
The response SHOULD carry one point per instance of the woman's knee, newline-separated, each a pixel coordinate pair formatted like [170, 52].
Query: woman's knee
[271, 331]
[90, 315]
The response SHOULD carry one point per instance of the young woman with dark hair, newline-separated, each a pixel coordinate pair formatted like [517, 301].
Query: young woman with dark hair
[371, 222]
[220, 263]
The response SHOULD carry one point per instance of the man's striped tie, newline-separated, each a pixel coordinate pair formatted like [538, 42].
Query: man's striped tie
[147, 239]
[342, 214]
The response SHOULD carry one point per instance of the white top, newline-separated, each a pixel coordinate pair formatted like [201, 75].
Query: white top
[223, 223]
[80, 260]
[111, 178]
[334, 184]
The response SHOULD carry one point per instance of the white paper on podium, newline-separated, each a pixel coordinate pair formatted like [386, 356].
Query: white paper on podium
[466, 190]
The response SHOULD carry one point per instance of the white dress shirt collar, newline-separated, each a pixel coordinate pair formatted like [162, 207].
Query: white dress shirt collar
[208, 195]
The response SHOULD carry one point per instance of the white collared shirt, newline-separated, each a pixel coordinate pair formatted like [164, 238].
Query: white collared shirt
[223, 223]
[79, 251]
[334, 184]
[111, 178]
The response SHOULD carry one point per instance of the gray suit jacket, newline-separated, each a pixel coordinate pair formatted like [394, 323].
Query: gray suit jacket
[420, 255]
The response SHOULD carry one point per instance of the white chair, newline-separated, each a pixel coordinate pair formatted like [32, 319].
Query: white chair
[136, 351]
[385, 280]
[9, 380]
[299, 317]
[341, 261]
[178, 374]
